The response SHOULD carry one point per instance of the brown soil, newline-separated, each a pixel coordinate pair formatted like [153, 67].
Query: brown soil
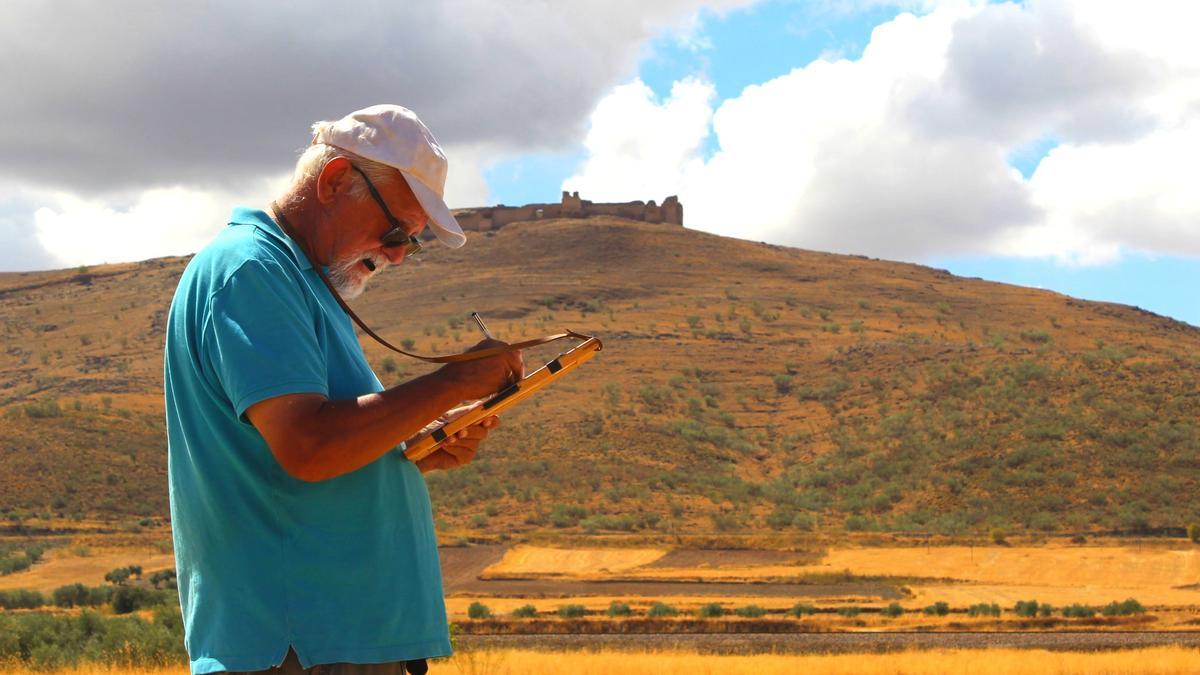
[462, 567]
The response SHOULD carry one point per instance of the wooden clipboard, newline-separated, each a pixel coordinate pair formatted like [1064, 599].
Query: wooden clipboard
[507, 397]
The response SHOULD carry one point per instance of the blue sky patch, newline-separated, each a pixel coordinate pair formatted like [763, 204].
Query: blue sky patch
[1161, 284]
[530, 179]
[1025, 158]
[759, 43]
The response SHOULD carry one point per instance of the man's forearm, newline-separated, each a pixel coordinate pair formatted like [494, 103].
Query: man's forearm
[347, 435]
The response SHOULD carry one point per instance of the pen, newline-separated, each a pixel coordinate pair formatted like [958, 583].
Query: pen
[486, 333]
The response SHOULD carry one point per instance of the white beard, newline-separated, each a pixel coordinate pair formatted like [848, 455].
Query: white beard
[349, 276]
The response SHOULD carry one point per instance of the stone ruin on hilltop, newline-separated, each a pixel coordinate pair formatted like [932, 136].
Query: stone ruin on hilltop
[487, 218]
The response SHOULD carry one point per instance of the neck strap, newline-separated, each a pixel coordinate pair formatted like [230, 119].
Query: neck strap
[448, 358]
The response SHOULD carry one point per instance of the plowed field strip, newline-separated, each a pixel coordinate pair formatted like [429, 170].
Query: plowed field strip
[835, 643]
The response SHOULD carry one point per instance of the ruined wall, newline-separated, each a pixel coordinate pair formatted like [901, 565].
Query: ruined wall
[487, 218]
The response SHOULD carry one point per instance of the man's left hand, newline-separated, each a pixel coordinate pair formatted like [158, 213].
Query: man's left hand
[459, 449]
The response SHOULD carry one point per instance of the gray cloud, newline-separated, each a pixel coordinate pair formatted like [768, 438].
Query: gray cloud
[128, 93]
[894, 198]
[1012, 73]
[21, 250]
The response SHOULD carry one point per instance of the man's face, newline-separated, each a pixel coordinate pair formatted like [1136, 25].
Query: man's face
[358, 253]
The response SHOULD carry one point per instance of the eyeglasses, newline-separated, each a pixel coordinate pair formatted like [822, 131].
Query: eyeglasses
[398, 234]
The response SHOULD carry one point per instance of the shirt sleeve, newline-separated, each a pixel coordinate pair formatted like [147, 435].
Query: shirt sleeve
[261, 337]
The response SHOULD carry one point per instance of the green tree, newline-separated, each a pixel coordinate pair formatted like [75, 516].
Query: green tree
[117, 576]
[619, 609]
[661, 609]
[525, 612]
[478, 610]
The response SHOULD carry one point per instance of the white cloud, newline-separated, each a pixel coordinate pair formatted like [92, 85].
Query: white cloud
[1100, 199]
[903, 152]
[637, 146]
[150, 223]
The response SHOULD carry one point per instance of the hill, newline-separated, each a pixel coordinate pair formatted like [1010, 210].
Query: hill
[743, 387]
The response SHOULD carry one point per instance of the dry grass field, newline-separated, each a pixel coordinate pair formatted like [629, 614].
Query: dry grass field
[1051, 573]
[1155, 661]
[64, 566]
[744, 389]
[539, 561]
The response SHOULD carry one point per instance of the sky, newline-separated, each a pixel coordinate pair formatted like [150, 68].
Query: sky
[1048, 143]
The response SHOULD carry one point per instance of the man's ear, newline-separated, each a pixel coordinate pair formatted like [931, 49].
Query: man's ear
[334, 179]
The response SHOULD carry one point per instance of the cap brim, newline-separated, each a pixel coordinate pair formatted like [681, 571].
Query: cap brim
[441, 221]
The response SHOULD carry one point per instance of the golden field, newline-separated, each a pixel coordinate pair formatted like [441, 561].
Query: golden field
[571, 562]
[63, 566]
[1155, 661]
[1058, 574]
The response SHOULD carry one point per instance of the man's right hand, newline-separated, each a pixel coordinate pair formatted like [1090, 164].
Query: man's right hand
[486, 376]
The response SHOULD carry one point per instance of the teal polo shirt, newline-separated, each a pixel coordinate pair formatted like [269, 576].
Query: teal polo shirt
[342, 570]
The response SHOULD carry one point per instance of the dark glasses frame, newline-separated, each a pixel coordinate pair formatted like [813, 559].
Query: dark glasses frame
[398, 234]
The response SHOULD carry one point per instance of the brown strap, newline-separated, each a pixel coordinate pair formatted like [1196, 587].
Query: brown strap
[448, 358]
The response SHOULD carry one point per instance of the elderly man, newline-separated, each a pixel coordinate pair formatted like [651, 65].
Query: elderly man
[302, 534]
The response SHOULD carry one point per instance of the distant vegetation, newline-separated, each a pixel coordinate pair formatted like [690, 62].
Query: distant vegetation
[744, 388]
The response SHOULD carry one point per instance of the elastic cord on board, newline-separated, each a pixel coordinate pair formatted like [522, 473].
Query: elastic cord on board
[448, 358]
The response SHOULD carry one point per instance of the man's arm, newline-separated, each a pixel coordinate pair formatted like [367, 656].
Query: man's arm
[315, 439]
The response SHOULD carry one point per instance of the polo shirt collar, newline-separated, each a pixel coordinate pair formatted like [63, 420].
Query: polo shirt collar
[261, 220]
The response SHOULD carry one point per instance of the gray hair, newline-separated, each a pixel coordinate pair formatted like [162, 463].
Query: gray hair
[316, 156]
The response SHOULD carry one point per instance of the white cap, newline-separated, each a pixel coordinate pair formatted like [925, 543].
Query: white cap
[393, 135]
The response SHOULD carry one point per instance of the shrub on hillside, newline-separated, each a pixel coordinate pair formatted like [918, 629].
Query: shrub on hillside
[127, 599]
[801, 609]
[78, 595]
[937, 609]
[572, 611]
[661, 609]
[566, 515]
[164, 579]
[984, 609]
[624, 523]
[524, 612]
[892, 611]
[17, 563]
[783, 384]
[711, 610]
[750, 611]
[47, 642]
[619, 609]
[1126, 608]
[1031, 608]
[478, 610]
[849, 612]
[1079, 611]
[43, 409]
[21, 598]
[117, 576]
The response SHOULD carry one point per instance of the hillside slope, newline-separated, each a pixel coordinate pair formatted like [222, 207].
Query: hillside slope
[743, 386]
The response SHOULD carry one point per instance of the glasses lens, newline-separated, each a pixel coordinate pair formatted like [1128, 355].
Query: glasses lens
[397, 238]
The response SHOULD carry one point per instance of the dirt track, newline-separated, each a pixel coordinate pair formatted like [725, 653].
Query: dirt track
[461, 568]
[834, 643]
